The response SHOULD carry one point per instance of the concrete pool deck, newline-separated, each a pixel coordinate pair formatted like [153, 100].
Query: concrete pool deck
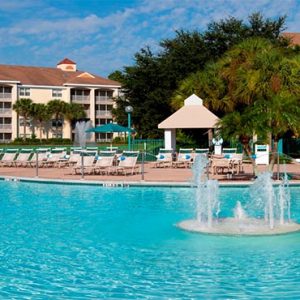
[152, 176]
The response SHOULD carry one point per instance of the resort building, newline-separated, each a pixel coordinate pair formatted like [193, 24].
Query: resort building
[65, 83]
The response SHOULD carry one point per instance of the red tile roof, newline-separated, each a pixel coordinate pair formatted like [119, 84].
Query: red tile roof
[293, 36]
[66, 61]
[49, 76]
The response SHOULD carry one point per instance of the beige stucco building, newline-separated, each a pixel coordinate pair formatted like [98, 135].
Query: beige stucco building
[65, 83]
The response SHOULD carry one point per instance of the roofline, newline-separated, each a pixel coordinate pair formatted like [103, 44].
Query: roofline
[92, 85]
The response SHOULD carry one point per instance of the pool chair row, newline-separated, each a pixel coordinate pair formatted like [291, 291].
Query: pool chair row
[184, 158]
[44, 157]
[108, 163]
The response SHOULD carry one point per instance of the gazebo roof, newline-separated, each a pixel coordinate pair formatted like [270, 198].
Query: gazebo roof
[192, 115]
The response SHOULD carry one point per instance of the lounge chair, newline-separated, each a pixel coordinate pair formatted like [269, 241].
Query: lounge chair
[42, 157]
[104, 162]
[222, 165]
[237, 162]
[184, 158]
[88, 162]
[70, 160]
[23, 158]
[164, 158]
[127, 163]
[56, 155]
[8, 157]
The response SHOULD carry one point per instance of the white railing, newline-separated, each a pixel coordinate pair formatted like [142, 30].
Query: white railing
[5, 141]
[5, 111]
[103, 113]
[80, 98]
[104, 99]
[104, 140]
[5, 96]
[5, 126]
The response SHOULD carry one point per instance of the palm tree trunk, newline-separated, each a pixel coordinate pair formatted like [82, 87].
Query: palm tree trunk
[24, 126]
[274, 155]
[247, 150]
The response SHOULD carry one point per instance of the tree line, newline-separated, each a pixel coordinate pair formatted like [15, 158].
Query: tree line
[150, 83]
[41, 114]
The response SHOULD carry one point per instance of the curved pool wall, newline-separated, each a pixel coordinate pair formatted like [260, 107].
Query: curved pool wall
[63, 241]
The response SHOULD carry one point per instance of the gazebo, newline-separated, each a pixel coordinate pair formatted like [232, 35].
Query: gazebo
[192, 115]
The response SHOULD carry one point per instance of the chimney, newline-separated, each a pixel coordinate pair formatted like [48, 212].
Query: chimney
[67, 65]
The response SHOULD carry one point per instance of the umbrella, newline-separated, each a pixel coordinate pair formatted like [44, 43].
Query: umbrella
[110, 127]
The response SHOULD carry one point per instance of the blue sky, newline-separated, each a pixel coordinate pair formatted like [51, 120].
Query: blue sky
[103, 35]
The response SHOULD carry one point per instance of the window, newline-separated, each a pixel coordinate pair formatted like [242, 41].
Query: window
[24, 91]
[56, 93]
[58, 123]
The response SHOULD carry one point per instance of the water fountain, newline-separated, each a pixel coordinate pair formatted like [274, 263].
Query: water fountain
[81, 136]
[266, 213]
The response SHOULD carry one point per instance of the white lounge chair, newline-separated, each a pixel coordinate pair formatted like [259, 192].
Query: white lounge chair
[88, 162]
[23, 158]
[105, 160]
[8, 158]
[54, 157]
[127, 163]
[184, 158]
[164, 158]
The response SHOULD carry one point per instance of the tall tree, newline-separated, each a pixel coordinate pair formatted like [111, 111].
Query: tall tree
[40, 115]
[23, 109]
[57, 108]
[151, 82]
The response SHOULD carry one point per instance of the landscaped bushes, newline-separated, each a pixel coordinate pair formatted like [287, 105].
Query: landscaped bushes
[54, 141]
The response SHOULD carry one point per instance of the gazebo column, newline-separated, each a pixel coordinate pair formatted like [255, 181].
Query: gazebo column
[210, 137]
[170, 139]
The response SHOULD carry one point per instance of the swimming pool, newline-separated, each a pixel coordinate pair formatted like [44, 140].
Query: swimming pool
[69, 241]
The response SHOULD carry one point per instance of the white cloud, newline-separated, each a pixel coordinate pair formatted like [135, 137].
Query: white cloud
[109, 42]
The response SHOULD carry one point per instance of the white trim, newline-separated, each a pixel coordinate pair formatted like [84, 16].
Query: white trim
[61, 87]
[91, 85]
[9, 81]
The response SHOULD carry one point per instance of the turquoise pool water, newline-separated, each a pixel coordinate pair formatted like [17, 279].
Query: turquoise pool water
[79, 242]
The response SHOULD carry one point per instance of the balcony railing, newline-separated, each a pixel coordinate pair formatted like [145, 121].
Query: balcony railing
[5, 111]
[5, 141]
[5, 126]
[80, 98]
[104, 99]
[103, 113]
[5, 96]
[103, 140]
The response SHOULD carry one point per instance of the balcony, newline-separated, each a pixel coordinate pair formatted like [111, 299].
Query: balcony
[103, 114]
[103, 100]
[80, 99]
[5, 127]
[5, 112]
[5, 97]
[104, 140]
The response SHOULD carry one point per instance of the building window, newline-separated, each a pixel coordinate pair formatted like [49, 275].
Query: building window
[56, 93]
[24, 91]
[57, 123]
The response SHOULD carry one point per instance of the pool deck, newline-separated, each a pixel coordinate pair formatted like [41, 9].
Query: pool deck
[152, 176]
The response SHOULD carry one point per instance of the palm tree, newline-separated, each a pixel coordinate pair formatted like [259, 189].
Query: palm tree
[74, 112]
[57, 109]
[40, 115]
[242, 126]
[278, 115]
[23, 109]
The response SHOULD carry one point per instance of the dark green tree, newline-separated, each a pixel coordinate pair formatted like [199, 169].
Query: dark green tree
[150, 83]
[57, 108]
[23, 109]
